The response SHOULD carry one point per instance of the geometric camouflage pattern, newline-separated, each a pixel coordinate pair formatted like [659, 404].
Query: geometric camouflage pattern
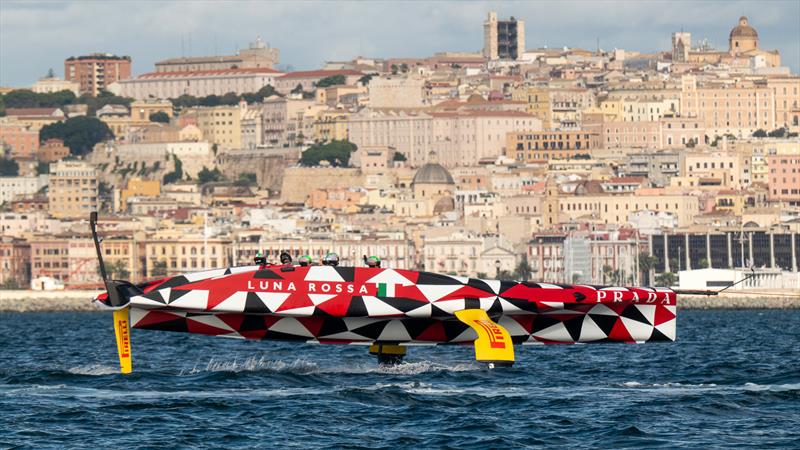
[348, 305]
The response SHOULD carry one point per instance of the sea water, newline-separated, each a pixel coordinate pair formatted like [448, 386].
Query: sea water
[731, 379]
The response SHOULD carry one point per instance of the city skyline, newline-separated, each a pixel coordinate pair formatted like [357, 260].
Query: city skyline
[363, 29]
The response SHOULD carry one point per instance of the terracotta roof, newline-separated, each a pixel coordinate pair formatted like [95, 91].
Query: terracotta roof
[321, 73]
[30, 112]
[482, 113]
[626, 180]
[202, 73]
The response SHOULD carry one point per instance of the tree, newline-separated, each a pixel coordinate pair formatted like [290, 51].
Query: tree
[332, 80]
[298, 89]
[399, 157]
[10, 283]
[647, 263]
[257, 97]
[523, 270]
[230, 99]
[702, 264]
[25, 98]
[103, 98]
[159, 269]
[608, 272]
[159, 117]
[206, 176]
[777, 133]
[666, 279]
[185, 101]
[80, 133]
[404, 68]
[8, 167]
[210, 100]
[176, 174]
[760, 133]
[42, 168]
[116, 270]
[365, 79]
[337, 153]
[246, 179]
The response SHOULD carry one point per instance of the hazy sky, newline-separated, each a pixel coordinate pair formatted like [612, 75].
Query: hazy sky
[35, 36]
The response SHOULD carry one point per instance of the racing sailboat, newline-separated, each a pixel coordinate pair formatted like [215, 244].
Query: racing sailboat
[386, 309]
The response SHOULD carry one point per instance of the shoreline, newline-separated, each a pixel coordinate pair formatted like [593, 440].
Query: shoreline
[80, 301]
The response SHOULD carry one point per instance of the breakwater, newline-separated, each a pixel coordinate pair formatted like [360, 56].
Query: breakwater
[40, 301]
[31, 301]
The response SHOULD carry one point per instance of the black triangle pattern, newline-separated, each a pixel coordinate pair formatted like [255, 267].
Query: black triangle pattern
[267, 274]
[605, 323]
[254, 305]
[633, 313]
[371, 331]
[357, 308]
[175, 294]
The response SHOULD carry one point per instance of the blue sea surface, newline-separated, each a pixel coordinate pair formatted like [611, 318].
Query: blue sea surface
[731, 379]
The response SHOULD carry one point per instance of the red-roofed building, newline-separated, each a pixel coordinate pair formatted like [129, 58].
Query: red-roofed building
[199, 83]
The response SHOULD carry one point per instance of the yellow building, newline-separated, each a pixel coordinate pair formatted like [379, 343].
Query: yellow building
[173, 252]
[331, 125]
[714, 169]
[142, 110]
[529, 146]
[139, 115]
[732, 201]
[222, 125]
[614, 209]
[73, 190]
[538, 100]
[139, 188]
[612, 109]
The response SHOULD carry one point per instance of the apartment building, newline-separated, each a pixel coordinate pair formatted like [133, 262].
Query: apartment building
[73, 190]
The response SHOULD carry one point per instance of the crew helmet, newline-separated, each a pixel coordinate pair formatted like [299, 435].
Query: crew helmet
[331, 259]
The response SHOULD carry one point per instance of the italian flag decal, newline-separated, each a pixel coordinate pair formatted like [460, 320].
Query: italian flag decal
[385, 290]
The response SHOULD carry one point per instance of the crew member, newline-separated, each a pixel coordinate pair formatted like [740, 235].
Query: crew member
[285, 258]
[260, 259]
[373, 261]
[305, 261]
[331, 259]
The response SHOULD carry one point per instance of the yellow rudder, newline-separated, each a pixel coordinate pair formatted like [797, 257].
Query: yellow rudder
[122, 330]
[494, 345]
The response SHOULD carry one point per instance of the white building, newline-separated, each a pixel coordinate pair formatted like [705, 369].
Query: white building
[716, 279]
[49, 85]
[198, 83]
[396, 92]
[459, 138]
[11, 187]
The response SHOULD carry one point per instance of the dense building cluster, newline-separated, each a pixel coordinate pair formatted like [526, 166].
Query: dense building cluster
[562, 165]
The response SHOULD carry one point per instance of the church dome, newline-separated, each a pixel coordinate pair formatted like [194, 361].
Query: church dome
[743, 30]
[476, 98]
[433, 173]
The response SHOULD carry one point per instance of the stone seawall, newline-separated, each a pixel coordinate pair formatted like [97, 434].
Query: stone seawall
[32, 301]
[36, 301]
[742, 300]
